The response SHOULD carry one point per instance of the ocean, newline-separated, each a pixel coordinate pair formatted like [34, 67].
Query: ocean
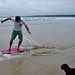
[50, 35]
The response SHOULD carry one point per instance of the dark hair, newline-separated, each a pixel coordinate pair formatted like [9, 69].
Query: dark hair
[17, 18]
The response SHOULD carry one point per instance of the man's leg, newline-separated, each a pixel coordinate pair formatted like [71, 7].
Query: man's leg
[20, 36]
[20, 41]
[14, 34]
[11, 41]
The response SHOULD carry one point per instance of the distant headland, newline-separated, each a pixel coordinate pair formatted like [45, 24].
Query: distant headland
[51, 16]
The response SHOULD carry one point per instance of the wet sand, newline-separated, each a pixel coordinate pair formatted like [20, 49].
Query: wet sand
[57, 46]
[38, 65]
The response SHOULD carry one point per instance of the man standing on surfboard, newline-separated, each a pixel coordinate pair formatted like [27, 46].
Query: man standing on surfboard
[17, 30]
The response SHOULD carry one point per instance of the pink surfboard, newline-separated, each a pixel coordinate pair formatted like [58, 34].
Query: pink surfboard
[13, 50]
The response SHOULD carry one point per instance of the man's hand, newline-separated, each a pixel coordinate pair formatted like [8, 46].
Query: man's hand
[2, 21]
[29, 32]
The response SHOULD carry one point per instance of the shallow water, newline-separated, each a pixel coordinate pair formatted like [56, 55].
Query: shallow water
[48, 37]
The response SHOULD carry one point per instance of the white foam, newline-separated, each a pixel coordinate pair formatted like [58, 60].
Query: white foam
[33, 41]
[27, 43]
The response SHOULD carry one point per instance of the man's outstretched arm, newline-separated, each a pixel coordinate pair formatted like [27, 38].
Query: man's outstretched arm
[27, 29]
[5, 20]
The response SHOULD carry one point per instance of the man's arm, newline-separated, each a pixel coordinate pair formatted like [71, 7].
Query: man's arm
[5, 20]
[27, 29]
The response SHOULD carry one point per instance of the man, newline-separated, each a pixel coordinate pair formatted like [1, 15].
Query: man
[17, 30]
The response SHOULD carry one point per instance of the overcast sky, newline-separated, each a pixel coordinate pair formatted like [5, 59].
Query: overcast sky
[36, 7]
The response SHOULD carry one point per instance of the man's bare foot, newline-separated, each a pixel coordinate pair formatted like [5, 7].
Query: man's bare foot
[18, 49]
[9, 49]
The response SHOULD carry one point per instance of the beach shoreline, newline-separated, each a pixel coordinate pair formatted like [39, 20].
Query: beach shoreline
[51, 44]
[38, 65]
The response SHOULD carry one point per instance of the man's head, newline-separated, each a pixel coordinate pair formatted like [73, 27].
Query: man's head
[17, 18]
